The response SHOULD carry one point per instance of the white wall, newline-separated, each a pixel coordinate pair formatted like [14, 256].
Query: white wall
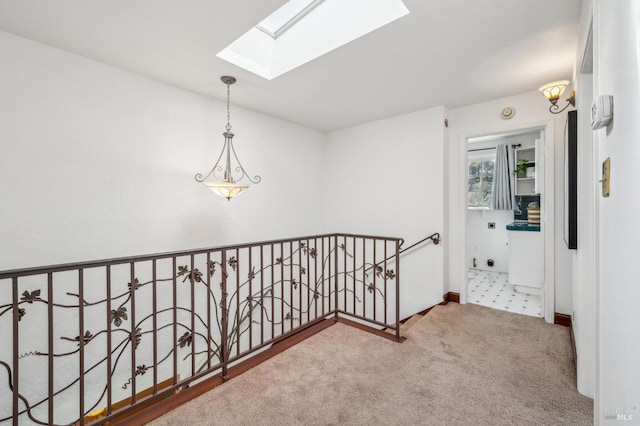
[532, 110]
[386, 178]
[584, 265]
[616, 69]
[96, 162]
[484, 243]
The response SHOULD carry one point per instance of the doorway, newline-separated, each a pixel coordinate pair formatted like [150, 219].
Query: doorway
[505, 248]
[490, 227]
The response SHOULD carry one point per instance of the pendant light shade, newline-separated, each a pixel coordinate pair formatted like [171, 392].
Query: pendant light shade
[221, 179]
[227, 190]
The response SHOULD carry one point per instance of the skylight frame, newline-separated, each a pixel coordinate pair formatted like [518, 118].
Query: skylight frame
[325, 27]
[297, 16]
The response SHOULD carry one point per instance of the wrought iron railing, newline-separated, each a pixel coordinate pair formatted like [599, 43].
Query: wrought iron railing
[85, 343]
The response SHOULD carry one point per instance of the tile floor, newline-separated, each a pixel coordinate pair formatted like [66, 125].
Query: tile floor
[493, 290]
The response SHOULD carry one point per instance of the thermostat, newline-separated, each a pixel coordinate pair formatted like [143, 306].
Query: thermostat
[601, 111]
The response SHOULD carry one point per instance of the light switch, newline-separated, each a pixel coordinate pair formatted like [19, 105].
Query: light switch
[606, 177]
[601, 111]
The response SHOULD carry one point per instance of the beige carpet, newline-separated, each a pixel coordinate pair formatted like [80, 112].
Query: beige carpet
[461, 365]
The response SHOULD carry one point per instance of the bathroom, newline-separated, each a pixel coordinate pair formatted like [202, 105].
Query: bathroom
[505, 248]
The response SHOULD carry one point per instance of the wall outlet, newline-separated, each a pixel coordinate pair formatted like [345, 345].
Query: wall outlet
[492, 225]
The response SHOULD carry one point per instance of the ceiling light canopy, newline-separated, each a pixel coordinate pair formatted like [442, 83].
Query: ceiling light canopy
[302, 30]
[222, 180]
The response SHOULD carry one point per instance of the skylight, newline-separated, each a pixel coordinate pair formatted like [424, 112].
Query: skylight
[284, 18]
[302, 30]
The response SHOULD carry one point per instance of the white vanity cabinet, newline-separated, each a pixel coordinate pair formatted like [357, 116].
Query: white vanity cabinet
[526, 258]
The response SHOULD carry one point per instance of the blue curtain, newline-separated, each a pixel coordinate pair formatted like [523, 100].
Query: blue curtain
[503, 195]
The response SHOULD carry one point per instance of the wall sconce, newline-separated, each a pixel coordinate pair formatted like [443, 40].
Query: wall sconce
[552, 91]
[223, 182]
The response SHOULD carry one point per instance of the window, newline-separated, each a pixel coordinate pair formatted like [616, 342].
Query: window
[480, 181]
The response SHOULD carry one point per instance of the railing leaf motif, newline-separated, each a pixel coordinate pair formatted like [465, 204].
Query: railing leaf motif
[233, 262]
[118, 315]
[185, 340]
[30, 297]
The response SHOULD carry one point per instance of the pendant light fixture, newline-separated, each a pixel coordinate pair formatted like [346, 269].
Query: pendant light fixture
[221, 177]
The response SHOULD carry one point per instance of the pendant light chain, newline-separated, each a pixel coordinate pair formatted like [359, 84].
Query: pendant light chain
[228, 127]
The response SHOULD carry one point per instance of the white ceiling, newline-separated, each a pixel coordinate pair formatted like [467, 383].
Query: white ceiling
[445, 52]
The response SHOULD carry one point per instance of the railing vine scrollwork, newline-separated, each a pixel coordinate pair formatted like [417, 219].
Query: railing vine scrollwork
[91, 341]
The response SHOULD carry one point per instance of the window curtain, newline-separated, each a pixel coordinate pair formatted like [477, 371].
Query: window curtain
[503, 195]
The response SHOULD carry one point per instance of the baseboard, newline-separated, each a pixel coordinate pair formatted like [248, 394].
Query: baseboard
[565, 320]
[451, 297]
[423, 312]
[573, 349]
[368, 329]
[562, 319]
[446, 298]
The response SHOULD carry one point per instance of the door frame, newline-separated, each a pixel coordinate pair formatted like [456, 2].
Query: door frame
[547, 219]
